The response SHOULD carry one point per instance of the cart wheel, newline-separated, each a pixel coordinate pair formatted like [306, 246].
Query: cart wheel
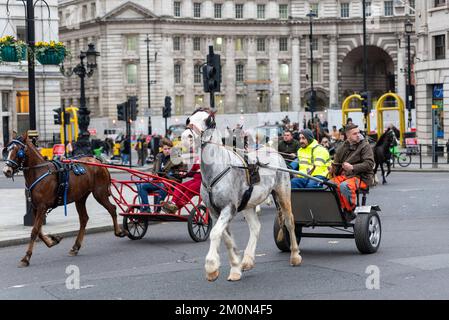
[136, 226]
[367, 232]
[404, 159]
[284, 244]
[199, 224]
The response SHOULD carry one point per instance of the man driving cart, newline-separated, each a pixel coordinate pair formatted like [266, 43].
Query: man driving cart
[352, 168]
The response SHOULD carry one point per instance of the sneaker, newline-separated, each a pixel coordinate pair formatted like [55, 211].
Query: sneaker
[170, 207]
[145, 209]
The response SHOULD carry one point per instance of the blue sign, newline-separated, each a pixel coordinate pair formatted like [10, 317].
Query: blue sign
[438, 91]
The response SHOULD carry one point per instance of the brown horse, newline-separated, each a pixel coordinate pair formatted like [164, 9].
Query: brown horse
[41, 181]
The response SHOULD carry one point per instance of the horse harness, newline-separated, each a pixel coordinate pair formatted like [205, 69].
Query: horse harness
[252, 170]
[62, 170]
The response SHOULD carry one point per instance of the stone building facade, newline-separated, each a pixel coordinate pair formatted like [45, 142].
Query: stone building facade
[432, 69]
[14, 76]
[264, 47]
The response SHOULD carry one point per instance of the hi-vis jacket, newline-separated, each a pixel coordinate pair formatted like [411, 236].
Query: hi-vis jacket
[314, 160]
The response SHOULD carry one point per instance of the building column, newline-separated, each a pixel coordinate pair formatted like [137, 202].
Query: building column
[296, 75]
[275, 99]
[167, 64]
[251, 72]
[230, 96]
[333, 72]
[189, 95]
[401, 69]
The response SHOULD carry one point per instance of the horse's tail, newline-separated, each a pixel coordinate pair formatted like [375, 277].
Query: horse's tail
[280, 234]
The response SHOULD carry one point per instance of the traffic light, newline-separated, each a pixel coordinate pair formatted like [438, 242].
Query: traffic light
[57, 116]
[166, 111]
[366, 102]
[212, 72]
[121, 111]
[133, 107]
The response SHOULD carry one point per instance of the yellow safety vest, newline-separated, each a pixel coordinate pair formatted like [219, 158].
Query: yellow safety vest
[314, 160]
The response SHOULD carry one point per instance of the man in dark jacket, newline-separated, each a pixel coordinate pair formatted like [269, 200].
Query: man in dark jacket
[162, 167]
[352, 168]
[288, 147]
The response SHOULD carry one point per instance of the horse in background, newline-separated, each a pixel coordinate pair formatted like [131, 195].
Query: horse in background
[227, 188]
[382, 153]
[41, 181]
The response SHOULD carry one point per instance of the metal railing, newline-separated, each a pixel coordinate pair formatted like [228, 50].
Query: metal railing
[422, 156]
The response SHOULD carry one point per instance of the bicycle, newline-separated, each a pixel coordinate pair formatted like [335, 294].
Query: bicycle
[403, 158]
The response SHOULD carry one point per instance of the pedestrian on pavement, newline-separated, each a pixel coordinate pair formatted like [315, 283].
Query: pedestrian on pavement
[125, 150]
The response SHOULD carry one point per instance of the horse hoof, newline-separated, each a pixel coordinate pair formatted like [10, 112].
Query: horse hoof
[296, 261]
[212, 276]
[247, 263]
[56, 239]
[24, 264]
[234, 276]
[122, 234]
[73, 253]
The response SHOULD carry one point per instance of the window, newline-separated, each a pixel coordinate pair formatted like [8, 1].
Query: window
[388, 8]
[315, 44]
[439, 3]
[131, 43]
[5, 101]
[241, 98]
[176, 43]
[196, 44]
[283, 44]
[239, 73]
[21, 32]
[131, 73]
[196, 74]
[283, 11]
[179, 105]
[261, 44]
[260, 11]
[197, 10]
[284, 75]
[440, 47]
[199, 101]
[412, 5]
[177, 8]
[368, 9]
[314, 8]
[217, 10]
[23, 110]
[263, 101]
[178, 75]
[218, 44]
[219, 103]
[239, 44]
[84, 12]
[239, 11]
[285, 102]
[316, 72]
[262, 71]
[344, 10]
[93, 10]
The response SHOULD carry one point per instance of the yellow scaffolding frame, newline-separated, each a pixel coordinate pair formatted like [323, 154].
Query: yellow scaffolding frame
[346, 110]
[400, 108]
[72, 126]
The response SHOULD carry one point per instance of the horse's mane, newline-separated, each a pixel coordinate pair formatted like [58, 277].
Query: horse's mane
[382, 138]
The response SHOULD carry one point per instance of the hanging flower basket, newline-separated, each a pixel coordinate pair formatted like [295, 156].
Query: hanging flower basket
[12, 50]
[50, 53]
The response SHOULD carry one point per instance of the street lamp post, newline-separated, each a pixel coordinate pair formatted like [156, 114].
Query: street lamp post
[311, 15]
[365, 107]
[147, 40]
[408, 31]
[82, 70]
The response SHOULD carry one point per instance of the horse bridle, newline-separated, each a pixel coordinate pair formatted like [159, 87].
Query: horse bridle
[16, 166]
[210, 124]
